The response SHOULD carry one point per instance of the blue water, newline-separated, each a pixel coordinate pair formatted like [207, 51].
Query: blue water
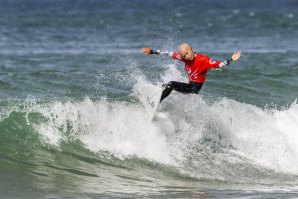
[72, 126]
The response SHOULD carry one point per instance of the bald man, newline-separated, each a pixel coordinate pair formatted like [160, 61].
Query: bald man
[196, 66]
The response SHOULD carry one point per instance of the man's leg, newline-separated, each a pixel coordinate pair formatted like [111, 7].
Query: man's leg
[180, 87]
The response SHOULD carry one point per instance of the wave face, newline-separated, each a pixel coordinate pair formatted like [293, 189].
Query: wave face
[224, 141]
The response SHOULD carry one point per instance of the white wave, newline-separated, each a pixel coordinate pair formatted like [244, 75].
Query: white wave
[264, 137]
[119, 128]
[267, 138]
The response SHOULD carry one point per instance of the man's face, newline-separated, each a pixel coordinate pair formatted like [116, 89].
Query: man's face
[186, 53]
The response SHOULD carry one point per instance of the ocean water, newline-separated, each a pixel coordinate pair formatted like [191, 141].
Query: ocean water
[71, 125]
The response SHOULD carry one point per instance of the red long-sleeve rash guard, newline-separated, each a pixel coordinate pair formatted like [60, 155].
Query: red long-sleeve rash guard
[198, 67]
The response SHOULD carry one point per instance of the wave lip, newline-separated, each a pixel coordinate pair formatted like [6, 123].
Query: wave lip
[228, 141]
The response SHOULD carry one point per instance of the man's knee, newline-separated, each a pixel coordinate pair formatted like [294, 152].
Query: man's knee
[196, 89]
[168, 85]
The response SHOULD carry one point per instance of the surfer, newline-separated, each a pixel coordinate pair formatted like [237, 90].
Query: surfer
[196, 66]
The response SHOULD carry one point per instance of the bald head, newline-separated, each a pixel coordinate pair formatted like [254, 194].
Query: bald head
[186, 52]
[184, 46]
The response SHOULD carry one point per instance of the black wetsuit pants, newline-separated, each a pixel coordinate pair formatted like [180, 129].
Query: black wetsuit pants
[184, 88]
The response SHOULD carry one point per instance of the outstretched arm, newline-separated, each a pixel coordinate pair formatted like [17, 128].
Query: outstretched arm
[234, 57]
[148, 51]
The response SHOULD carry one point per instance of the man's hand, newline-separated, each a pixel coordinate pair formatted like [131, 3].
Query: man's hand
[146, 51]
[236, 56]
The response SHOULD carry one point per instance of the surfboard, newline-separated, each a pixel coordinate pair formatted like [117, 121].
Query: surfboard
[150, 96]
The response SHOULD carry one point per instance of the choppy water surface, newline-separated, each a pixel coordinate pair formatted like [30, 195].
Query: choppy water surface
[71, 125]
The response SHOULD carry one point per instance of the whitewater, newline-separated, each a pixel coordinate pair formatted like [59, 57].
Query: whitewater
[200, 136]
